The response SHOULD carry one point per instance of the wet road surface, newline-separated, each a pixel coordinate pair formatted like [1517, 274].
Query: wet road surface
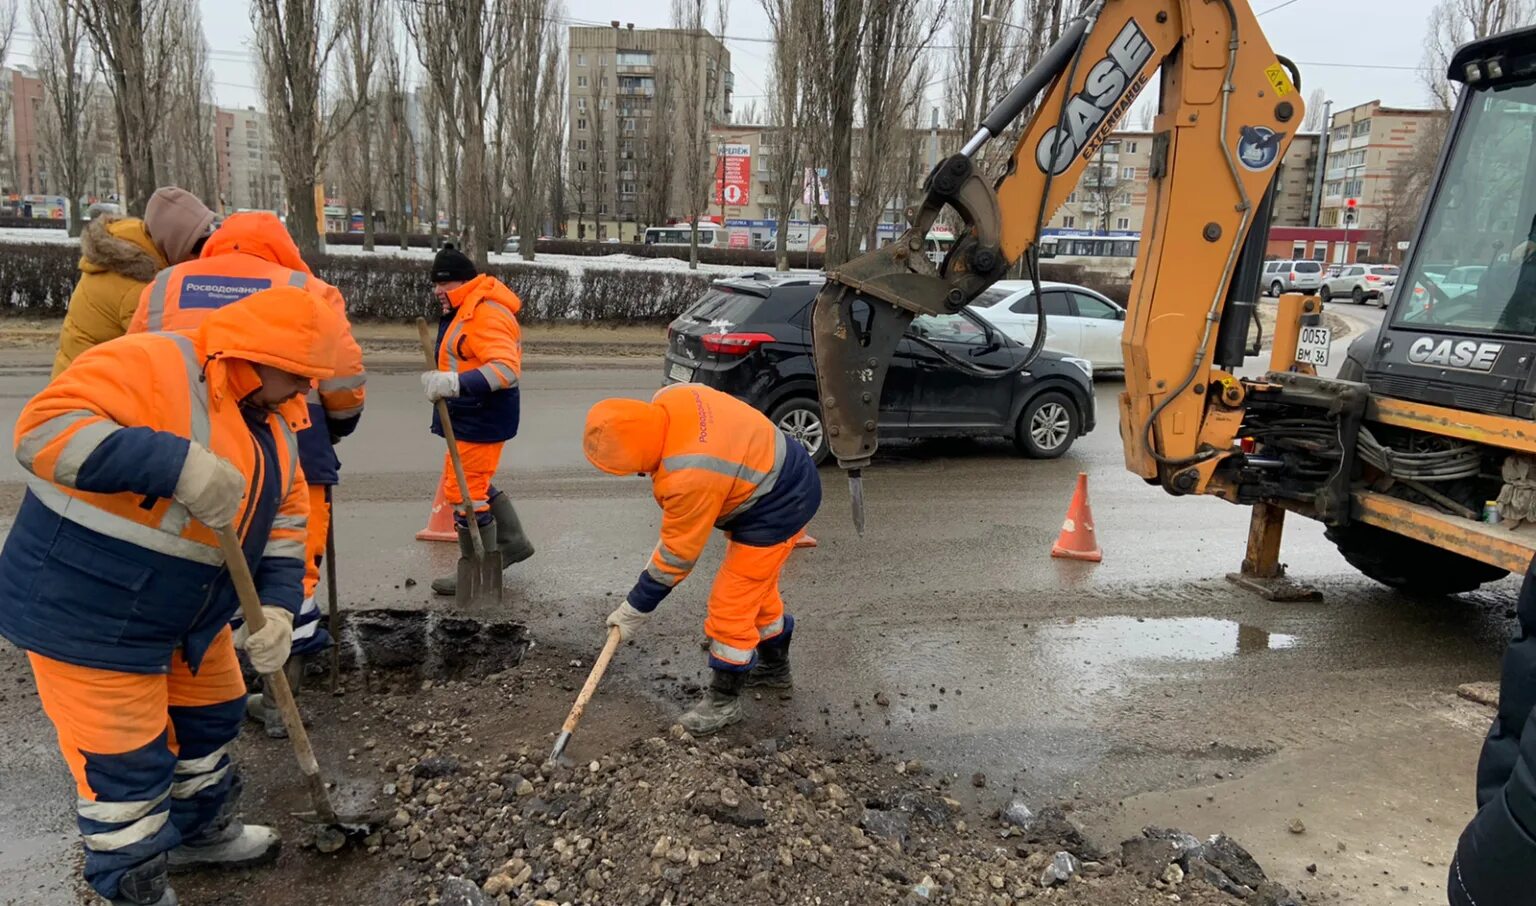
[1145, 689]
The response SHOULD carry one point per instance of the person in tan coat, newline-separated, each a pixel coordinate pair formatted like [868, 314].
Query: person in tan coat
[119, 256]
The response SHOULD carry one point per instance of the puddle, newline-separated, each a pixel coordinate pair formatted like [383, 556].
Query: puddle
[430, 644]
[1119, 639]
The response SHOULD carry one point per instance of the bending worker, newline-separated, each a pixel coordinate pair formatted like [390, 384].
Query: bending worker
[119, 256]
[250, 252]
[113, 583]
[479, 365]
[714, 462]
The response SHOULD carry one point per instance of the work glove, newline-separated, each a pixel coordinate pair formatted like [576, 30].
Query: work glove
[628, 619]
[440, 385]
[209, 487]
[268, 647]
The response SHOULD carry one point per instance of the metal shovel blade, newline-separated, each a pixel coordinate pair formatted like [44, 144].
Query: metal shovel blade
[479, 580]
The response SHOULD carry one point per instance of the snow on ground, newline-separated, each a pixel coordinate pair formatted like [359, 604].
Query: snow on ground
[573, 264]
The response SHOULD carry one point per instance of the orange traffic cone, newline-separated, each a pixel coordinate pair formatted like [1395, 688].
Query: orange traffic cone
[439, 521]
[804, 540]
[1077, 541]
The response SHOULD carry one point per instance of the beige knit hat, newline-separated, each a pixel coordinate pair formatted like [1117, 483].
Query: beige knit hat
[176, 220]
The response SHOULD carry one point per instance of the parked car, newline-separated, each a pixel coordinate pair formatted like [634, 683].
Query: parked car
[1078, 321]
[1290, 275]
[750, 336]
[1453, 283]
[512, 246]
[1360, 283]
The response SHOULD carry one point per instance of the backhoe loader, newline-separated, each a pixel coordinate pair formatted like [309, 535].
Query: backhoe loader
[1398, 455]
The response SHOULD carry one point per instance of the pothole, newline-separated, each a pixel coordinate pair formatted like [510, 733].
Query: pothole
[428, 644]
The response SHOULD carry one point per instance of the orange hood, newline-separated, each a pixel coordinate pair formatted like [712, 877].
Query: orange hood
[260, 234]
[285, 327]
[625, 437]
[485, 287]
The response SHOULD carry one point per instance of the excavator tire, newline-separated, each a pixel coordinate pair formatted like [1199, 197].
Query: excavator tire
[1409, 565]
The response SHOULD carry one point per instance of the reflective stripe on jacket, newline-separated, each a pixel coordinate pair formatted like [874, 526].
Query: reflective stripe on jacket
[723, 465]
[481, 340]
[102, 568]
[251, 252]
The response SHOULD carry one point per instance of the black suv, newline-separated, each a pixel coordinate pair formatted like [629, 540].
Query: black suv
[750, 336]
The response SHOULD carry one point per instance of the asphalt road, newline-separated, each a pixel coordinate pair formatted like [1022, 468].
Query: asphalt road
[1145, 689]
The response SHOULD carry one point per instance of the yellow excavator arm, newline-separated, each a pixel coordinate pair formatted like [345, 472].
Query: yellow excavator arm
[1228, 109]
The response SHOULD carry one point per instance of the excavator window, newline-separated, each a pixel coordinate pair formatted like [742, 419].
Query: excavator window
[1474, 269]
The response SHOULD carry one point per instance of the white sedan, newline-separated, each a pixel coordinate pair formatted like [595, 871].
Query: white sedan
[1078, 321]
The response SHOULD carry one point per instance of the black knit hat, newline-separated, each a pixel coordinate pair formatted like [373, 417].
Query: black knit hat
[452, 265]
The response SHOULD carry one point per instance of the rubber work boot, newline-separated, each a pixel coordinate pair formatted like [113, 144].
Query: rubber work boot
[264, 711]
[772, 670]
[146, 885]
[510, 539]
[236, 845]
[719, 708]
[449, 585]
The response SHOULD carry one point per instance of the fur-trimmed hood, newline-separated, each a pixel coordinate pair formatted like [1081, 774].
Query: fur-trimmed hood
[119, 245]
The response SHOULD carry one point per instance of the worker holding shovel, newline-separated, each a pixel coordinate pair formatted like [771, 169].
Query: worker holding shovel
[714, 462]
[479, 359]
[114, 582]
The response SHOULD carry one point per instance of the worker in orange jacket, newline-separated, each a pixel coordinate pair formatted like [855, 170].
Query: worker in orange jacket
[252, 251]
[479, 365]
[714, 462]
[113, 582]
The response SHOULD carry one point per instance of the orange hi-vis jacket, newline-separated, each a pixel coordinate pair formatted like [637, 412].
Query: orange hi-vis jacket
[715, 462]
[481, 340]
[103, 568]
[250, 252]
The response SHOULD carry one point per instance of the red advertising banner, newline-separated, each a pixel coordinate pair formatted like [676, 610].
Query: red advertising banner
[733, 175]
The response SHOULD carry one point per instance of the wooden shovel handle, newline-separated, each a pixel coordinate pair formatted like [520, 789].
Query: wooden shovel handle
[276, 683]
[593, 678]
[468, 505]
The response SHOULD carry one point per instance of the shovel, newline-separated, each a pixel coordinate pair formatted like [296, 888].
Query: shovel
[333, 827]
[578, 709]
[480, 578]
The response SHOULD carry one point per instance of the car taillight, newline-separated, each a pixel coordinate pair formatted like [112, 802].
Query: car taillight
[1372, 278]
[1293, 276]
[734, 343]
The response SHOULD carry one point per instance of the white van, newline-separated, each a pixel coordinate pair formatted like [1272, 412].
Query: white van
[711, 235]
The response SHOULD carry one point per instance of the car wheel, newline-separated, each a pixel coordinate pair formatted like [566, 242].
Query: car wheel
[1047, 426]
[1357, 295]
[800, 418]
[1275, 289]
[1325, 293]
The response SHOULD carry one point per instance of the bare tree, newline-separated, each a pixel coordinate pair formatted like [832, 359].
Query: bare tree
[600, 151]
[1101, 187]
[701, 70]
[1453, 23]
[364, 27]
[464, 46]
[891, 83]
[1317, 102]
[1146, 112]
[7, 33]
[532, 84]
[787, 95]
[835, 35]
[1408, 179]
[656, 163]
[131, 38]
[397, 141]
[185, 132]
[985, 63]
[294, 43]
[68, 73]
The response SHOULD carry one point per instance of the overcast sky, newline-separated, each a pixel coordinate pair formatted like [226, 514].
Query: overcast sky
[1355, 50]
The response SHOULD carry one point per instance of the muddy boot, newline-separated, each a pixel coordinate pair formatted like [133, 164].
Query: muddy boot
[514, 545]
[719, 708]
[258, 709]
[146, 885]
[236, 845]
[772, 670]
[449, 585]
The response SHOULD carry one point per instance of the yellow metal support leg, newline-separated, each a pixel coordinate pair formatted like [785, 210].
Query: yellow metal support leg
[1262, 572]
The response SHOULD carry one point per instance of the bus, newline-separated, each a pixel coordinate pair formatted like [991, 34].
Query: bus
[711, 235]
[1111, 254]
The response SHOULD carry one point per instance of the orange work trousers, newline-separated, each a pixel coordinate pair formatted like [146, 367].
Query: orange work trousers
[149, 752]
[745, 608]
[480, 462]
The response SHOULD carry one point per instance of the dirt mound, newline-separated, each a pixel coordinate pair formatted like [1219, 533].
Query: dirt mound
[681, 821]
